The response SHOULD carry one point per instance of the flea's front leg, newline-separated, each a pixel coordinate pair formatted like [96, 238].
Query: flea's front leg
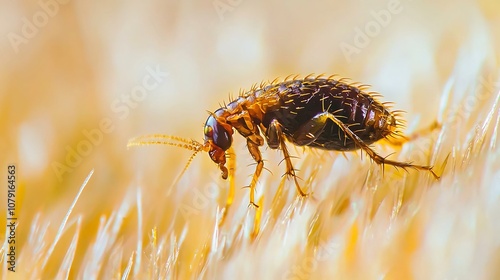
[231, 164]
[244, 125]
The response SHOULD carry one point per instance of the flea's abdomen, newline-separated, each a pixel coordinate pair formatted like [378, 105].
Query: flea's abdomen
[301, 100]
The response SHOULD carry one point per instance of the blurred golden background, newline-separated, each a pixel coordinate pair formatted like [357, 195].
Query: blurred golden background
[78, 79]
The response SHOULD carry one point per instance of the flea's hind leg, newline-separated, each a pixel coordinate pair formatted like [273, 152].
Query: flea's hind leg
[400, 139]
[275, 140]
[317, 124]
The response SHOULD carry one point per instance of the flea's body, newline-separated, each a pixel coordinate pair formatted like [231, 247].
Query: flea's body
[293, 104]
[322, 113]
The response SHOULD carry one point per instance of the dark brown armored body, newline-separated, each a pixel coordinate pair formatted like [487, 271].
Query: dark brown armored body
[318, 112]
[301, 100]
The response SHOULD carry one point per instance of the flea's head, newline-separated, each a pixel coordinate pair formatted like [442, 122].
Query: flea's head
[218, 139]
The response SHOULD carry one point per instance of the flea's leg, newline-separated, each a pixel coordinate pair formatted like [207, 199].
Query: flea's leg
[310, 131]
[231, 164]
[400, 139]
[255, 152]
[244, 125]
[275, 140]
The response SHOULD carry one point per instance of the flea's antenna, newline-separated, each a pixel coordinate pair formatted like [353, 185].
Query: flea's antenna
[182, 173]
[163, 139]
[170, 140]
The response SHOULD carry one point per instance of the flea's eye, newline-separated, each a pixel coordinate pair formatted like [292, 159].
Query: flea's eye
[208, 131]
[217, 133]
